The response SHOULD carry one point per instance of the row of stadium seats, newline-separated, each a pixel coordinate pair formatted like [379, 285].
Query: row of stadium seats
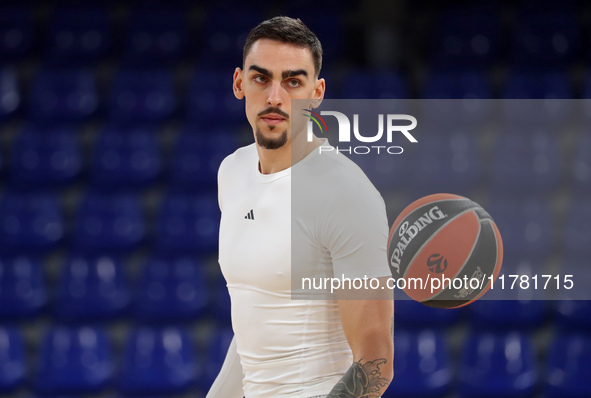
[82, 360]
[132, 159]
[99, 287]
[541, 36]
[164, 360]
[84, 36]
[514, 164]
[122, 158]
[157, 35]
[151, 34]
[32, 223]
[136, 97]
[497, 315]
[151, 96]
[188, 223]
[491, 364]
[95, 288]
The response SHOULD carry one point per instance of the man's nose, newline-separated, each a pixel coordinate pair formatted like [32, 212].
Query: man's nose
[275, 95]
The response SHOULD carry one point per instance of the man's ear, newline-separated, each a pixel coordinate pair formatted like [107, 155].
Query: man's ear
[318, 94]
[237, 85]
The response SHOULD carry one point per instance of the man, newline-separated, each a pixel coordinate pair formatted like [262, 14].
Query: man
[287, 347]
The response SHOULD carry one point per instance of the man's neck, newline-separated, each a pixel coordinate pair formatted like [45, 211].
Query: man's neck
[276, 160]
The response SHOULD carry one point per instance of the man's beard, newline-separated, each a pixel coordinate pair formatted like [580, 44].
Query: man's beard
[270, 143]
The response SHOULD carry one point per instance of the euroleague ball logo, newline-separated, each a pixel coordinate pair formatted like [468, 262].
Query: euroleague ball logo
[436, 263]
[403, 228]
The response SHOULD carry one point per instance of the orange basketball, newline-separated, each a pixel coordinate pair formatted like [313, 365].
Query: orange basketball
[444, 250]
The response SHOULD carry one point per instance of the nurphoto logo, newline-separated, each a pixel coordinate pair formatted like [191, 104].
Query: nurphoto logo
[391, 128]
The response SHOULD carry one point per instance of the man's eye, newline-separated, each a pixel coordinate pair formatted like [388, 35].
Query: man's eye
[294, 83]
[260, 79]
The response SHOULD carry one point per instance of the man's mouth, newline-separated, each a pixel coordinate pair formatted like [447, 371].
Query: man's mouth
[273, 119]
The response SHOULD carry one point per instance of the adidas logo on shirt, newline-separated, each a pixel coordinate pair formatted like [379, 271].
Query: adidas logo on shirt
[249, 215]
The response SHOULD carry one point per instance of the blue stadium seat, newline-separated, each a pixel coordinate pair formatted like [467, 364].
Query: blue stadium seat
[422, 363]
[155, 36]
[13, 361]
[446, 163]
[158, 361]
[573, 299]
[332, 12]
[197, 158]
[126, 158]
[466, 37]
[68, 95]
[30, 223]
[45, 157]
[525, 165]
[79, 35]
[211, 101]
[188, 224]
[374, 85]
[568, 370]
[495, 365]
[443, 84]
[109, 222]
[581, 164]
[455, 99]
[548, 84]
[142, 96]
[109, 3]
[16, 33]
[586, 94]
[518, 300]
[574, 314]
[224, 34]
[328, 23]
[303, 5]
[546, 36]
[171, 290]
[506, 314]
[216, 353]
[388, 172]
[537, 99]
[577, 239]
[9, 92]
[74, 359]
[23, 291]
[220, 304]
[526, 227]
[412, 314]
[92, 288]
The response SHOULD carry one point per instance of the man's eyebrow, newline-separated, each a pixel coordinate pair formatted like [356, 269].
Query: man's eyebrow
[284, 75]
[264, 71]
[291, 73]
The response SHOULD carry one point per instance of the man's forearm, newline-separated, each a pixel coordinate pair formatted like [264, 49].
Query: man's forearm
[367, 379]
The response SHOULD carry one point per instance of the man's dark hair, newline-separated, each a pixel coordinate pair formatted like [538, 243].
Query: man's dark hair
[286, 30]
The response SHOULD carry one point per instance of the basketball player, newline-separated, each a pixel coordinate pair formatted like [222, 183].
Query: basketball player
[286, 347]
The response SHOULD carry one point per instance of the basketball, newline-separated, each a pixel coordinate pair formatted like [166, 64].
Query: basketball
[444, 251]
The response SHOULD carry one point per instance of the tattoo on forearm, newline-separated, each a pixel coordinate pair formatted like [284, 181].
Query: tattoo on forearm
[362, 380]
